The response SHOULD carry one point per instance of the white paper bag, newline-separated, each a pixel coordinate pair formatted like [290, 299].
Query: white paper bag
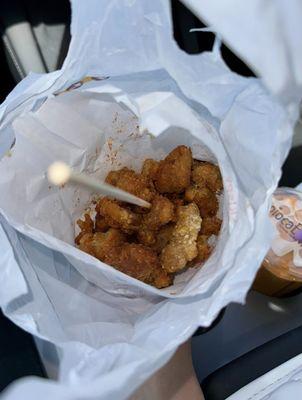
[111, 330]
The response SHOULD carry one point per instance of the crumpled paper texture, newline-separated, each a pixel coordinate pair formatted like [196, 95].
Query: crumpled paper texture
[111, 331]
[269, 40]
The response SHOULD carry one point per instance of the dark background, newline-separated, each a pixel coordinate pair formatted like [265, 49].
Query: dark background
[18, 355]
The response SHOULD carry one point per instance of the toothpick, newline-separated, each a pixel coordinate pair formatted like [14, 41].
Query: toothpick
[60, 173]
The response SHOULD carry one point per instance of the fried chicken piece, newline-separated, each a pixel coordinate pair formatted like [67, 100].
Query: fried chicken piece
[100, 224]
[207, 174]
[117, 216]
[128, 180]
[105, 245]
[182, 246]
[113, 177]
[150, 168]
[140, 262]
[160, 278]
[210, 226]
[204, 198]
[171, 235]
[163, 236]
[203, 248]
[133, 259]
[146, 236]
[176, 198]
[100, 245]
[161, 212]
[85, 242]
[174, 172]
[196, 163]
[86, 226]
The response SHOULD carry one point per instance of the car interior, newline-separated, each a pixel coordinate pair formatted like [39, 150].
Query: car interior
[245, 341]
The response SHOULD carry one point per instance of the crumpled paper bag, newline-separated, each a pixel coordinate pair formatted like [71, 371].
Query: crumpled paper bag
[269, 40]
[112, 331]
[95, 131]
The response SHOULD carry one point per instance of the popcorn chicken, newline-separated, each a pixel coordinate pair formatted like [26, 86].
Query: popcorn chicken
[128, 180]
[182, 246]
[210, 226]
[204, 198]
[150, 168]
[174, 172]
[208, 175]
[204, 250]
[153, 244]
[117, 216]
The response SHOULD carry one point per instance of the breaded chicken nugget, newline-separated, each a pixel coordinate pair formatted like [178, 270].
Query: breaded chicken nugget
[153, 244]
[106, 244]
[161, 213]
[85, 243]
[86, 226]
[207, 174]
[204, 198]
[117, 216]
[150, 168]
[146, 236]
[182, 247]
[100, 224]
[135, 260]
[160, 278]
[203, 248]
[210, 226]
[128, 180]
[174, 172]
[163, 236]
[176, 198]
